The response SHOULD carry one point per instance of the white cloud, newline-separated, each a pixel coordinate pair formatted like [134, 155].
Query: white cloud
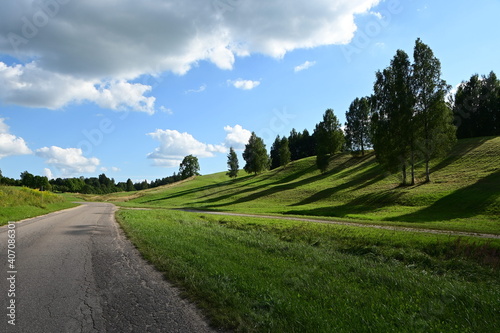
[48, 173]
[69, 161]
[199, 90]
[29, 85]
[10, 144]
[244, 84]
[80, 45]
[174, 146]
[236, 137]
[306, 65]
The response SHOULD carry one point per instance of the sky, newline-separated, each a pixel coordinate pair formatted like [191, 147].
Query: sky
[128, 88]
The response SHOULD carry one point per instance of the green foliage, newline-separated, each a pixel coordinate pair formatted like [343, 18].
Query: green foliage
[256, 275]
[284, 152]
[232, 164]
[329, 139]
[255, 155]
[477, 107]
[411, 121]
[301, 145]
[393, 126]
[275, 153]
[189, 167]
[436, 133]
[357, 126]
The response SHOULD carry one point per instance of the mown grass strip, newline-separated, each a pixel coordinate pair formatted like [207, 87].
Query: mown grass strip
[256, 275]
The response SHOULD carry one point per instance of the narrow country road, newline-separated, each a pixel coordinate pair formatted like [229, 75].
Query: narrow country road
[74, 271]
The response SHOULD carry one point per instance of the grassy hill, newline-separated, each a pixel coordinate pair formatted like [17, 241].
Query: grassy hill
[17, 203]
[253, 274]
[464, 193]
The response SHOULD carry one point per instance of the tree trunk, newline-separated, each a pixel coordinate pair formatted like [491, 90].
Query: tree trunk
[427, 172]
[404, 174]
[412, 169]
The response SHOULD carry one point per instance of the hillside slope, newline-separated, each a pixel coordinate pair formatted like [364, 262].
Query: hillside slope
[17, 203]
[464, 193]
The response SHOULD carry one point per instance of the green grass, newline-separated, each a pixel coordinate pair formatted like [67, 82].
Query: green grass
[464, 194]
[18, 203]
[258, 275]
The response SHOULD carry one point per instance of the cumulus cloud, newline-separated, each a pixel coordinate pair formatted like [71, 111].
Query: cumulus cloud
[304, 66]
[245, 84]
[70, 161]
[48, 173]
[174, 146]
[29, 85]
[10, 144]
[95, 42]
[236, 137]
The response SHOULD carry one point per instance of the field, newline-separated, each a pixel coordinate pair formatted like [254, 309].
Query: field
[18, 203]
[259, 275]
[252, 274]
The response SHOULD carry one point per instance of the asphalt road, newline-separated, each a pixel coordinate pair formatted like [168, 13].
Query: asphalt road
[74, 271]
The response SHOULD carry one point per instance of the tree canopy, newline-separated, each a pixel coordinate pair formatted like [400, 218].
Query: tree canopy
[255, 155]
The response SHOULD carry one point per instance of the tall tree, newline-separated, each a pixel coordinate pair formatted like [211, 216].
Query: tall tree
[357, 126]
[130, 185]
[275, 153]
[232, 164]
[393, 128]
[189, 167]
[434, 119]
[255, 155]
[329, 139]
[284, 152]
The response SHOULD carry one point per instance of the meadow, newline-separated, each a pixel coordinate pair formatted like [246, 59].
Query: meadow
[259, 275]
[18, 203]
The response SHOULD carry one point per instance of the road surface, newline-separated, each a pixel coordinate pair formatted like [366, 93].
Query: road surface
[74, 271]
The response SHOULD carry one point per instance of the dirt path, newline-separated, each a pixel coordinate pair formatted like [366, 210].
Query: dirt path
[375, 226]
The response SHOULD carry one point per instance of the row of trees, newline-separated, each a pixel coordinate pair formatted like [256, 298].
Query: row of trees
[476, 107]
[406, 121]
[102, 184]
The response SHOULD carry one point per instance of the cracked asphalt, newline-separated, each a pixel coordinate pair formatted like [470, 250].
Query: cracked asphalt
[77, 272]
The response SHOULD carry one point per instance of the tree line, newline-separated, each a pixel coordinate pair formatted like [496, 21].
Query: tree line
[409, 119]
[101, 184]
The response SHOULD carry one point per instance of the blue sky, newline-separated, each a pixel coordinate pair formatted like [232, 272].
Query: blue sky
[128, 88]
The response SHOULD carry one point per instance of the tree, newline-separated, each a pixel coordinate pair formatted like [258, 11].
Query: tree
[275, 153]
[27, 179]
[357, 126]
[1, 176]
[477, 107]
[255, 155]
[393, 132]
[329, 139]
[232, 163]
[130, 185]
[434, 120]
[284, 152]
[189, 167]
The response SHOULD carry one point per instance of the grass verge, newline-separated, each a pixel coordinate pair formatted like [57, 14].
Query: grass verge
[257, 275]
[18, 203]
